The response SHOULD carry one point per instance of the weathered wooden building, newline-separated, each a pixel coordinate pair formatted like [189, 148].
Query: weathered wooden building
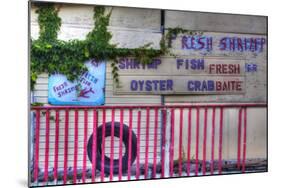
[206, 132]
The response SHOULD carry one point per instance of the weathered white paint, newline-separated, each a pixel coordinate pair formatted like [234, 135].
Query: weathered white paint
[215, 22]
[175, 85]
[256, 133]
[90, 131]
[133, 27]
[136, 29]
[256, 82]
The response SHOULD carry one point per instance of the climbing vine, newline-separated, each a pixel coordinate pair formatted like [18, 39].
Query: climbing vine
[51, 55]
[172, 33]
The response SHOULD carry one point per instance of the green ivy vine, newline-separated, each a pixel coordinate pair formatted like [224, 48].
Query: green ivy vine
[172, 33]
[51, 55]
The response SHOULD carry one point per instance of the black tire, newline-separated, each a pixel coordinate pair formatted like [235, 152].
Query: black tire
[125, 139]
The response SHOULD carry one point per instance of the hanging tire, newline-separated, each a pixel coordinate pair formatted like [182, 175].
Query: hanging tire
[125, 140]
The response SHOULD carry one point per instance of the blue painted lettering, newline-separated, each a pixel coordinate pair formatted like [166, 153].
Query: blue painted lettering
[242, 44]
[250, 67]
[134, 85]
[151, 85]
[197, 42]
[196, 85]
[194, 64]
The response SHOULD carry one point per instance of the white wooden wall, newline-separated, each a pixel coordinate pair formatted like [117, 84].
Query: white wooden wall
[133, 27]
[130, 28]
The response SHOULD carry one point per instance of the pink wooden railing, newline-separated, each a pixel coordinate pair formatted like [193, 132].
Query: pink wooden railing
[155, 121]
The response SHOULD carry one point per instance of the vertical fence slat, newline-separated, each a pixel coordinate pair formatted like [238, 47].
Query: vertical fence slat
[155, 142]
[112, 143]
[146, 142]
[46, 171]
[85, 146]
[163, 144]
[56, 146]
[121, 144]
[188, 142]
[65, 146]
[197, 142]
[94, 146]
[220, 140]
[245, 139]
[37, 137]
[103, 144]
[180, 142]
[172, 142]
[239, 137]
[75, 146]
[130, 143]
[213, 139]
[205, 141]
[138, 145]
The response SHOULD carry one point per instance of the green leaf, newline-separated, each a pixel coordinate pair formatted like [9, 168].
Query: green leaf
[48, 54]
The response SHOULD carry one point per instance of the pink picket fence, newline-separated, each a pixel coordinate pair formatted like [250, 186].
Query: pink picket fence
[78, 144]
